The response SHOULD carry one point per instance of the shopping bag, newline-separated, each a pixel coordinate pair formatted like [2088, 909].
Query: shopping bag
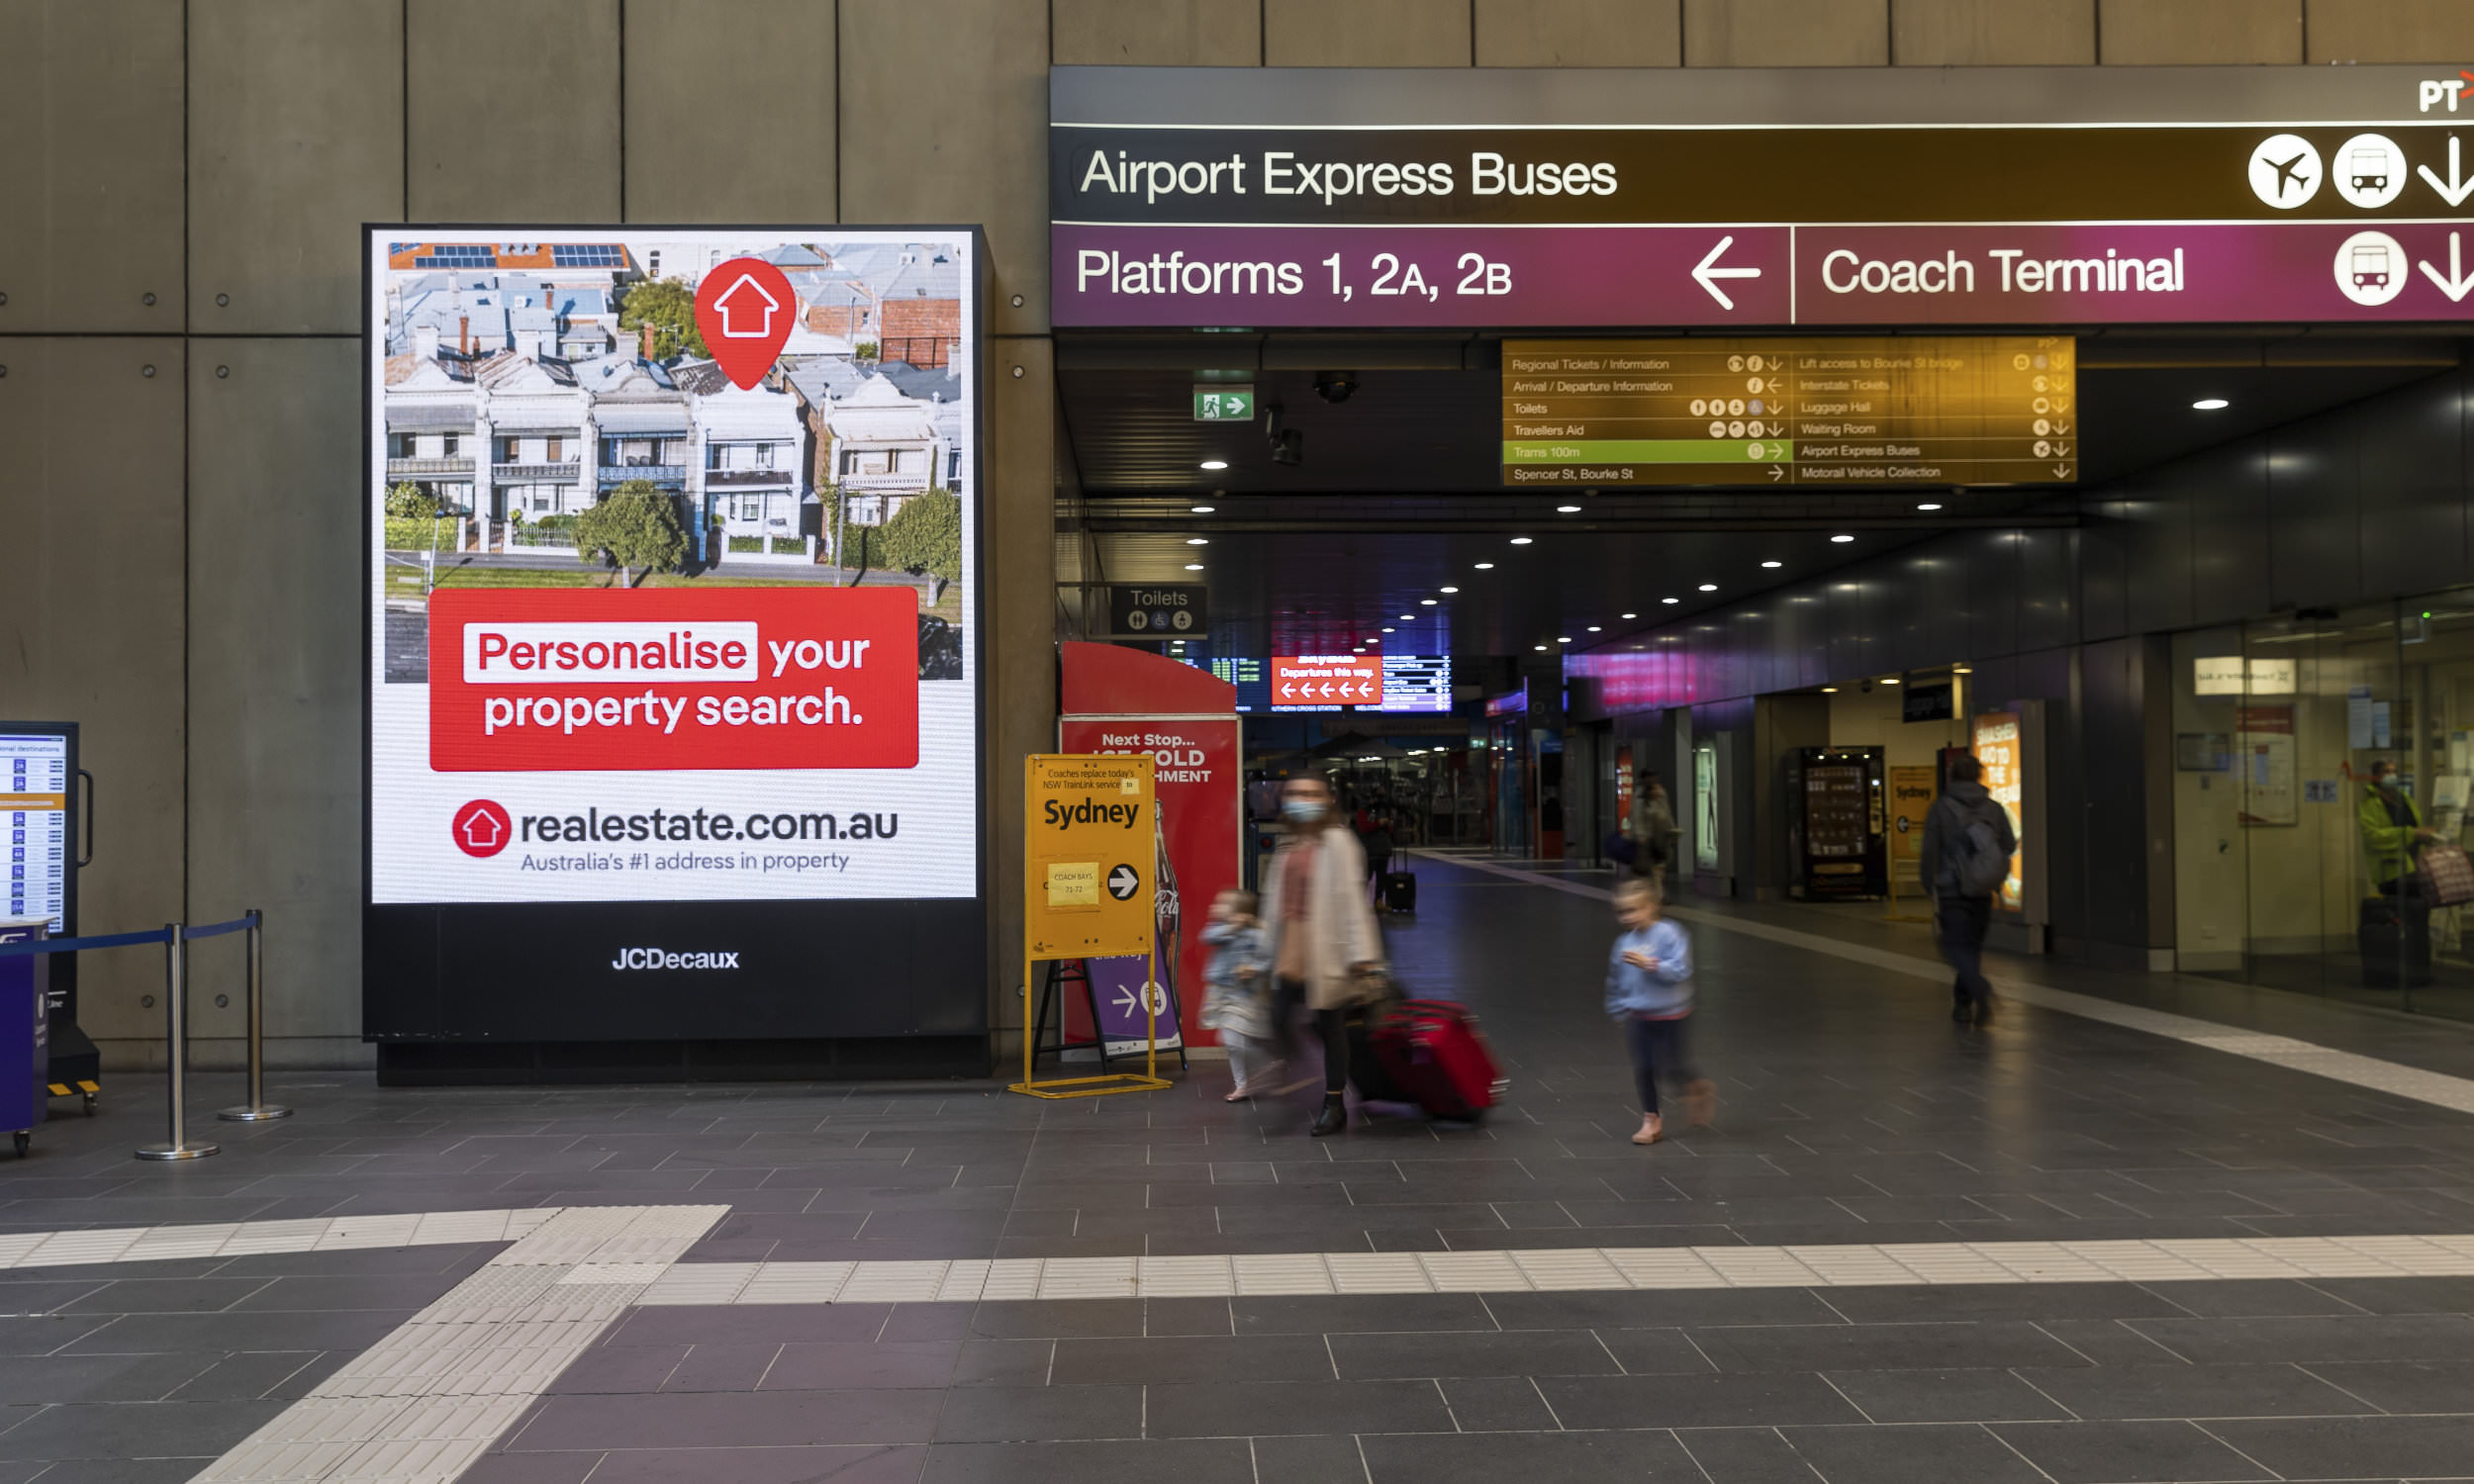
[2451, 873]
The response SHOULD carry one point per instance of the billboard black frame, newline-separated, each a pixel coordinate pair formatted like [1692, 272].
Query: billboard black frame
[436, 976]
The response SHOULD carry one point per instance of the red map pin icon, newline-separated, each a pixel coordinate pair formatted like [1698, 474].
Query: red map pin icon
[744, 309]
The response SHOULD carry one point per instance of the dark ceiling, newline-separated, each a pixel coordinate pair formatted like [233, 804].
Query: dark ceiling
[1399, 494]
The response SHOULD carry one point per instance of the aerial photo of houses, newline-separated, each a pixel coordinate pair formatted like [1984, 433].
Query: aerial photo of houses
[555, 419]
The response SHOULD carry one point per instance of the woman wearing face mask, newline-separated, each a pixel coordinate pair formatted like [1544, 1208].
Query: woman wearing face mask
[1320, 930]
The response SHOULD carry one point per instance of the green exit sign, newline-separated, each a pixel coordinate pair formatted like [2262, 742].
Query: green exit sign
[1223, 404]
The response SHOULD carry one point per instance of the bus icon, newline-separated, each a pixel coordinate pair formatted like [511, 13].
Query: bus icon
[2367, 168]
[2370, 266]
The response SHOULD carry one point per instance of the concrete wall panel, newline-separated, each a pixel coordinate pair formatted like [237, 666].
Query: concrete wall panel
[688, 160]
[296, 136]
[1993, 32]
[275, 577]
[90, 107]
[91, 627]
[2200, 31]
[1366, 34]
[2391, 30]
[1786, 32]
[976, 151]
[1020, 630]
[1155, 33]
[1580, 32]
[513, 110]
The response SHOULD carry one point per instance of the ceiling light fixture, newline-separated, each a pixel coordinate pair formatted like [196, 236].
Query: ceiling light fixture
[1632, 616]
[1425, 602]
[1215, 463]
[1540, 648]
[1563, 638]
[1567, 509]
[1597, 630]
[1829, 690]
[1193, 566]
[1890, 681]
[1389, 630]
[1447, 589]
[1670, 599]
[1520, 540]
[2210, 405]
[1405, 617]
[1840, 540]
[1710, 586]
[1198, 540]
[1485, 566]
[1929, 506]
[1204, 510]
[1773, 564]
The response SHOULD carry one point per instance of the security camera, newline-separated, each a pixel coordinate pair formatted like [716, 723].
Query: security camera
[1334, 387]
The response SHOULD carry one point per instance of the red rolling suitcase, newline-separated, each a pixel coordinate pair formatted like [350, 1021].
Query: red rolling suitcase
[1432, 1048]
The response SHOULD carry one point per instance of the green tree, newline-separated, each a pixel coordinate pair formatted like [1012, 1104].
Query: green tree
[638, 526]
[405, 502]
[925, 536]
[668, 304]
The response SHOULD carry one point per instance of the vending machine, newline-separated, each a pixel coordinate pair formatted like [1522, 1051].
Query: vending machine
[1838, 835]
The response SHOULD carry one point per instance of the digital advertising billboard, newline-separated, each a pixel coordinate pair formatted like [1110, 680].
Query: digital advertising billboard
[673, 687]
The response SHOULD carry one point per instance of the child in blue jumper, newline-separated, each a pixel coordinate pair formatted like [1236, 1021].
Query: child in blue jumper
[1649, 991]
[1237, 992]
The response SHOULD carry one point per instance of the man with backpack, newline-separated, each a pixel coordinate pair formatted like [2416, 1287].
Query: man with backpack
[1967, 841]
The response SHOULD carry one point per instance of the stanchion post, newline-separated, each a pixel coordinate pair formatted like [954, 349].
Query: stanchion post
[176, 1043]
[257, 1109]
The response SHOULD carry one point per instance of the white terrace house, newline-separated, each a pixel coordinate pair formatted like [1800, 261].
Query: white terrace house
[534, 424]
[886, 447]
[749, 482]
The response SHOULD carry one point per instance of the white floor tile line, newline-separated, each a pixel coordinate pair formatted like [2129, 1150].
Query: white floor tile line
[248, 1237]
[420, 1405]
[2436, 1088]
[1568, 1269]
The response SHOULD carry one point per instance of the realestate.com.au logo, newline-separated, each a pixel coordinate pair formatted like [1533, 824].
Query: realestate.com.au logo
[482, 828]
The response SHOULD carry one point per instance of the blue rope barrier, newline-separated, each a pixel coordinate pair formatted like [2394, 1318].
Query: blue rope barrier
[102, 940]
[218, 929]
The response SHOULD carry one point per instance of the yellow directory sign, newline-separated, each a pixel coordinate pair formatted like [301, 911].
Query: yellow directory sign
[1911, 798]
[1089, 867]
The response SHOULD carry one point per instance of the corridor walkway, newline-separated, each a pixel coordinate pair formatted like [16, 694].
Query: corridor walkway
[2075, 1248]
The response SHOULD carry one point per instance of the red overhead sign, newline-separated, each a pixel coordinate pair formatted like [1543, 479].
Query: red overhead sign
[1332, 680]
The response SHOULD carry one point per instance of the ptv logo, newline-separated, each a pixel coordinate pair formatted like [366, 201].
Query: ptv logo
[2431, 92]
[482, 829]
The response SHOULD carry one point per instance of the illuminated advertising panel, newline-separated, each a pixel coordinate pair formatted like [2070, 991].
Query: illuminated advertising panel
[672, 620]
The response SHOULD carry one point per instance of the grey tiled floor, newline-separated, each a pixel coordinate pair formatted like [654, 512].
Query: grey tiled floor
[1851, 1111]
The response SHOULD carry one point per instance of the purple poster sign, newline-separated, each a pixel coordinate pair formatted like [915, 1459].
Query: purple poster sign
[1116, 989]
[1394, 277]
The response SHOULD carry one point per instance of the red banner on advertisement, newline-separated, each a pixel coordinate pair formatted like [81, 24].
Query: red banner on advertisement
[1331, 679]
[593, 679]
[1197, 787]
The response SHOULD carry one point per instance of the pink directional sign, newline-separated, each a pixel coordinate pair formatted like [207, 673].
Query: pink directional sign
[1418, 277]
[1462, 277]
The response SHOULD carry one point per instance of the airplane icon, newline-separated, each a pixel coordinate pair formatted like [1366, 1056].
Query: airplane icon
[2286, 175]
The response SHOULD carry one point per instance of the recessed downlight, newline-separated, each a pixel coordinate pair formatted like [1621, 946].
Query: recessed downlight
[1198, 540]
[2210, 405]
[1632, 616]
[1773, 564]
[1670, 599]
[1426, 602]
[1388, 628]
[1563, 638]
[1215, 463]
[1596, 628]
[1447, 589]
[1889, 679]
[1930, 505]
[1829, 690]
[1520, 540]
[1204, 510]
[1405, 617]
[1485, 566]
[1539, 647]
[1707, 588]
[1567, 509]
[1840, 540]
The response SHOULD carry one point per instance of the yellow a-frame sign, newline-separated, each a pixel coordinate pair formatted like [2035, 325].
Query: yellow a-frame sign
[1090, 871]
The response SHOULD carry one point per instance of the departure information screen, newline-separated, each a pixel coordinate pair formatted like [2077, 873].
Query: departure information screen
[34, 803]
[1853, 413]
[1340, 683]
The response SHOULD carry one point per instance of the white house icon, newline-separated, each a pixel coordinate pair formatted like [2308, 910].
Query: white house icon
[734, 320]
[480, 830]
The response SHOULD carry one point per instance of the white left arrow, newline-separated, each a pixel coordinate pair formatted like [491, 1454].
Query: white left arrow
[1708, 276]
[2459, 283]
[2459, 184]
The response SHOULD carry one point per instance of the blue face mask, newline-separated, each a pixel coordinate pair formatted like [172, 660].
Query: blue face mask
[1302, 810]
